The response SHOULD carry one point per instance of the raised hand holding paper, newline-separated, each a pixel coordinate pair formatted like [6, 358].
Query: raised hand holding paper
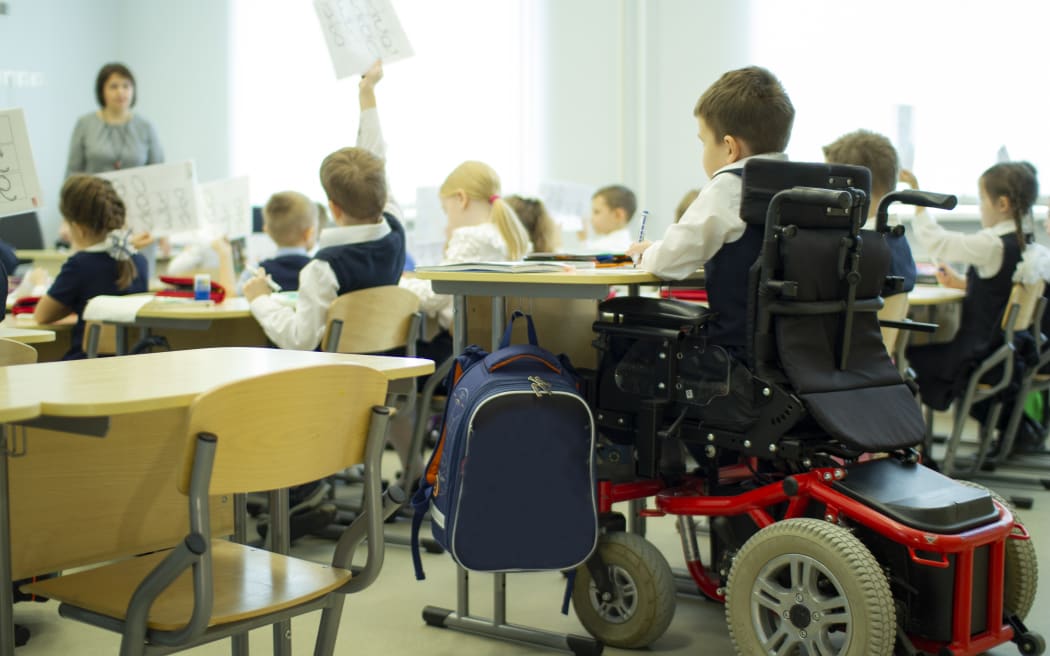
[159, 199]
[227, 207]
[19, 185]
[359, 32]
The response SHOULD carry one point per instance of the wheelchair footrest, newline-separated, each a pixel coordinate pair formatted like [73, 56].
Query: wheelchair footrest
[917, 496]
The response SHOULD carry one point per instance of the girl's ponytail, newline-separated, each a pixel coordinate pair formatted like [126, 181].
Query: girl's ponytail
[510, 228]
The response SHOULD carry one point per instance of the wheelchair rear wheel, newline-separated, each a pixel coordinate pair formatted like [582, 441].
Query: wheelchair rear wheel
[1021, 570]
[644, 599]
[806, 587]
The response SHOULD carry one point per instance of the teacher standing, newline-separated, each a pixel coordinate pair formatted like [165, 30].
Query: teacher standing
[113, 137]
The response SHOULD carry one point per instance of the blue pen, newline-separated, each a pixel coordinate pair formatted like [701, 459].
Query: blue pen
[641, 234]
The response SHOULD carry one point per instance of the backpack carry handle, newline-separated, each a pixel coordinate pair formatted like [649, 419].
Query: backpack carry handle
[505, 342]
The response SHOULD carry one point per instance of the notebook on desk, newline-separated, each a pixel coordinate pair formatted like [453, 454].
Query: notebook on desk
[608, 259]
[509, 267]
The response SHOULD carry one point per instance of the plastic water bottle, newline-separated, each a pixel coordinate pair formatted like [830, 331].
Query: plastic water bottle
[202, 287]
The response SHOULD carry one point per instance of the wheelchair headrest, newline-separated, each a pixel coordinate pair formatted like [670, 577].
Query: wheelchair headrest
[763, 178]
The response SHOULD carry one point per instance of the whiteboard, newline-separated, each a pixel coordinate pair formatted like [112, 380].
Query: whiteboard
[160, 199]
[359, 32]
[19, 184]
[227, 207]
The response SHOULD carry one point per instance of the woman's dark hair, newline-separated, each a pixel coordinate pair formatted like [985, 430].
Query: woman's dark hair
[113, 68]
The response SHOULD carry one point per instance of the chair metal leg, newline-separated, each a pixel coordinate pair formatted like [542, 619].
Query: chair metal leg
[329, 628]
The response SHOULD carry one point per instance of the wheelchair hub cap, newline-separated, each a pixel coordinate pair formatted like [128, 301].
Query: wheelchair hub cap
[798, 607]
[624, 602]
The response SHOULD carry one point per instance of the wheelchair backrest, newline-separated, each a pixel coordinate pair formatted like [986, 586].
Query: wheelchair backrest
[815, 292]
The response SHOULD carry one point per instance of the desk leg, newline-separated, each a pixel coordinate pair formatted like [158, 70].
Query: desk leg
[121, 337]
[279, 543]
[7, 597]
[459, 324]
[499, 314]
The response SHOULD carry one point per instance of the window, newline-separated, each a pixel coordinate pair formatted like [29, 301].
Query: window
[973, 74]
[461, 96]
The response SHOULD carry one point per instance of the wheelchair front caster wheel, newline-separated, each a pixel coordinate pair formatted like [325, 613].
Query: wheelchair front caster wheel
[807, 586]
[1031, 644]
[642, 604]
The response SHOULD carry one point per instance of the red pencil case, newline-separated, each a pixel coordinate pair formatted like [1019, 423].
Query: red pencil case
[695, 295]
[183, 288]
[25, 305]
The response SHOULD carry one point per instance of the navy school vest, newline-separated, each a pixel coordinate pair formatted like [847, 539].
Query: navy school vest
[986, 298]
[285, 270]
[370, 263]
[725, 277]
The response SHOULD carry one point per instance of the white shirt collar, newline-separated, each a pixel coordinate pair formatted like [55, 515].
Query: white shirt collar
[353, 234]
[739, 164]
[289, 250]
[1003, 228]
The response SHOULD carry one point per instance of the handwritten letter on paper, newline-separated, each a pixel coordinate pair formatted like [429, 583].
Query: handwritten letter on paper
[19, 185]
[359, 32]
[160, 199]
[227, 207]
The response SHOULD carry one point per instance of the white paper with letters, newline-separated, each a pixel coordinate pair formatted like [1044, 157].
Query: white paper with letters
[19, 185]
[359, 32]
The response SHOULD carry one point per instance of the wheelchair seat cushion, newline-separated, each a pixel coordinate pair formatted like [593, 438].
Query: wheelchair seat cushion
[917, 496]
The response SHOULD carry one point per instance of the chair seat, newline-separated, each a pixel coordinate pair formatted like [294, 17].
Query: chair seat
[248, 583]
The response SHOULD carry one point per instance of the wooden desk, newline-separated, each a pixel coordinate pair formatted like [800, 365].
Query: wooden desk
[924, 295]
[26, 336]
[68, 500]
[49, 351]
[590, 284]
[48, 259]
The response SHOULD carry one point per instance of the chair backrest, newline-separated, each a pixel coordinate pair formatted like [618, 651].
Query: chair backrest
[12, 352]
[285, 428]
[1026, 297]
[372, 320]
[894, 308]
[22, 231]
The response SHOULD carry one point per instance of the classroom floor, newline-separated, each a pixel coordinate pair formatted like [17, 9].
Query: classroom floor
[385, 619]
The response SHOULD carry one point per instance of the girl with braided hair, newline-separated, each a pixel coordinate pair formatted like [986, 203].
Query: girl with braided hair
[105, 261]
[1007, 192]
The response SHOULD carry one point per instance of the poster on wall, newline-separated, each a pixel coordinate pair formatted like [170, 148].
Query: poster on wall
[359, 32]
[19, 184]
[160, 199]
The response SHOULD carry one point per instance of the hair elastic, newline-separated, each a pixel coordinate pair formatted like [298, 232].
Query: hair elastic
[493, 198]
[118, 245]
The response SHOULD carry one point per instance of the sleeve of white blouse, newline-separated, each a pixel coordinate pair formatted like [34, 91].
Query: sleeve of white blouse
[370, 133]
[433, 305]
[982, 249]
[463, 246]
[300, 327]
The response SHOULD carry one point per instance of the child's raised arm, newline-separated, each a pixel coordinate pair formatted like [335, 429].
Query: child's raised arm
[369, 134]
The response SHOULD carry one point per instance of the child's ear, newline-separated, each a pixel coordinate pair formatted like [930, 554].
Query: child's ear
[621, 215]
[736, 148]
[461, 199]
[337, 212]
[1002, 203]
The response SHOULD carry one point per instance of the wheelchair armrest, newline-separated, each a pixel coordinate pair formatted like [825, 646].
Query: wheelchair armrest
[655, 311]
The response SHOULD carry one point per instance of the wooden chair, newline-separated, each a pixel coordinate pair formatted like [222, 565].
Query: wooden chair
[268, 432]
[12, 352]
[100, 339]
[1019, 313]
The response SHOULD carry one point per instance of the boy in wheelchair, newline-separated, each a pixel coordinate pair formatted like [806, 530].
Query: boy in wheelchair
[816, 547]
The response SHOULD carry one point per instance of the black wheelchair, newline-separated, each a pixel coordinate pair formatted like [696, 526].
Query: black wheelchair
[828, 534]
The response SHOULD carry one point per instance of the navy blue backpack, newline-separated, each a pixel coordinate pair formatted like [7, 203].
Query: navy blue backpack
[511, 484]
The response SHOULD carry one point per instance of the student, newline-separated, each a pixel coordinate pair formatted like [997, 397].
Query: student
[746, 113]
[612, 208]
[1007, 192]
[481, 227]
[877, 154]
[543, 230]
[291, 220]
[365, 249]
[684, 204]
[105, 261]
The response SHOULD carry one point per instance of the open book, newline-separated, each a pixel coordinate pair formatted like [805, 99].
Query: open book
[508, 267]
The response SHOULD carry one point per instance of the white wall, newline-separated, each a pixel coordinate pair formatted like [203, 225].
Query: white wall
[177, 51]
[65, 42]
[622, 80]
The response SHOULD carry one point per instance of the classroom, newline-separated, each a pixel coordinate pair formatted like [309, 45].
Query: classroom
[587, 108]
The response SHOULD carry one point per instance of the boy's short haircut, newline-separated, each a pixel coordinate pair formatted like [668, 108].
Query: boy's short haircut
[871, 150]
[355, 180]
[751, 105]
[287, 215]
[618, 197]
